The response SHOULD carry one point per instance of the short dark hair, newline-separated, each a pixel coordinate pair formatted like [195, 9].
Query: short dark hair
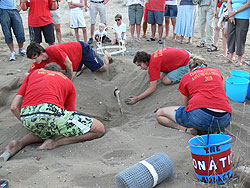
[34, 49]
[142, 57]
[118, 16]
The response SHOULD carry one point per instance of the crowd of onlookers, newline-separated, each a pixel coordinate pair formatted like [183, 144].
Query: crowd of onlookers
[229, 16]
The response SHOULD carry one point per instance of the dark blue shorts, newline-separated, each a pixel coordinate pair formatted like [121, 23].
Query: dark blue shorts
[201, 120]
[11, 19]
[171, 11]
[89, 58]
[155, 17]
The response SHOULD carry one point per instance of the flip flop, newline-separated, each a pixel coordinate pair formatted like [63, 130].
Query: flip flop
[151, 39]
[228, 61]
[212, 48]
[201, 45]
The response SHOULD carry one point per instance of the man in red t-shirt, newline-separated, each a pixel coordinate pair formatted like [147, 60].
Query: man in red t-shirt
[172, 62]
[45, 104]
[70, 56]
[205, 104]
[40, 19]
[156, 9]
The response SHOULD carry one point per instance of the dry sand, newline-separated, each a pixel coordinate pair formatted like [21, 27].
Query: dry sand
[129, 138]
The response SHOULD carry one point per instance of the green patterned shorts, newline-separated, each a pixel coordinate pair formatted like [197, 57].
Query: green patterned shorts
[46, 120]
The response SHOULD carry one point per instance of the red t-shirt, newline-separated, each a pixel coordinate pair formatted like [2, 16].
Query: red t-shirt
[204, 87]
[39, 13]
[58, 53]
[156, 5]
[44, 86]
[166, 60]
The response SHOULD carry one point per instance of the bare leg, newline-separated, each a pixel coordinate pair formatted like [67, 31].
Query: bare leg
[182, 39]
[160, 31]
[97, 130]
[76, 34]
[144, 27]
[84, 31]
[216, 35]
[138, 30]
[167, 26]
[15, 146]
[58, 33]
[173, 20]
[20, 45]
[224, 40]
[132, 31]
[92, 30]
[166, 80]
[153, 30]
[11, 46]
[165, 116]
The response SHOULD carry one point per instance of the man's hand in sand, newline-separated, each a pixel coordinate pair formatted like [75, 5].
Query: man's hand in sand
[131, 100]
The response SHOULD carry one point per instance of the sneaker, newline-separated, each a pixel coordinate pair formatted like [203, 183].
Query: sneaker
[22, 52]
[132, 40]
[160, 42]
[90, 41]
[12, 56]
[138, 40]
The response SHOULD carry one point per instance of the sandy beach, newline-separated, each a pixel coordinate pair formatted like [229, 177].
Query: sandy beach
[130, 137]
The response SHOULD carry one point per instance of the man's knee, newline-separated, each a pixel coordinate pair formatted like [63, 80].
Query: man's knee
[98, 128]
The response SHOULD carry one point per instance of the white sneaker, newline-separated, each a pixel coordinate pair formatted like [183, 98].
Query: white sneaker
[22, 52]
[12, 56]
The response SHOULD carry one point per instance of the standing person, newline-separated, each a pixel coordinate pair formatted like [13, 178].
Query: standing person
[238, 12]
[96, 6]
[206, 20]
[57, 23]
[156, 10]
[135, 14]
[10, 18]
[77, 19]
[172, 62]
[171, 11]
[45, 104]
[119, 30]
[40, 19]
[204, 102]
[185, 23]
[145, 20]
[70, 56]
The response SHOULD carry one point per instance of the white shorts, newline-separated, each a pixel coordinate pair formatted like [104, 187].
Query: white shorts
[77, 20]
[56, 16]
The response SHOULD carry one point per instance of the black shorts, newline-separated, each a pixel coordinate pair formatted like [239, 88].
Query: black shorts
[48, 33]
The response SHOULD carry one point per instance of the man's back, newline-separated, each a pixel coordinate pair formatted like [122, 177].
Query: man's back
[43, 86]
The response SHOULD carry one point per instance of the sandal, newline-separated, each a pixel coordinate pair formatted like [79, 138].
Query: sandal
[212, 48]
[151, 39]
[228, 61]
[201, 45]
[238, 64]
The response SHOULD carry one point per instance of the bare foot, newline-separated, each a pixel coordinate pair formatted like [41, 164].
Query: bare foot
[108, 55]
[191, 131]
[144, 36]
[13, 147]
[47, 145]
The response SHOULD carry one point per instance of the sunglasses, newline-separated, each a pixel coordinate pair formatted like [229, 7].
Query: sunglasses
[117, 20]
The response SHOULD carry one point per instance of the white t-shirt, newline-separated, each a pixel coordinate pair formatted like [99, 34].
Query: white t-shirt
[97, 32]
[77, 9]
[131, 2]
[171, 2]
[120, 29]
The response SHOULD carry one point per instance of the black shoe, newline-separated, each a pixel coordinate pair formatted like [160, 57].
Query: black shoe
[90, 41]
[108, 39]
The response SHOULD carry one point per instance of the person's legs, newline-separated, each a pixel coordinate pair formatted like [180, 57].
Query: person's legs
[209, 27]
[84, 31]
[58, 33]
[131, 15]
[153, 30]
[57, 20]
[97, 130]
[77, 34]
[138, 30]
[144, 27]
[224, 40]
[173, 21]
[48, 33]
[202, 25]
[93, 13]
[231, 41]
[132, 31]
[167, 26]
[107, 57]
[166, 116]
[15, 146]
[216, 33]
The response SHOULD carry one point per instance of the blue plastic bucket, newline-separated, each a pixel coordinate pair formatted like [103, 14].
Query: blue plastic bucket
[242, 74]
[236, 88]
[212, 162]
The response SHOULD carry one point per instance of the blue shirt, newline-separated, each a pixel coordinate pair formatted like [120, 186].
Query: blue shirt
[241, 15]
[8, 4]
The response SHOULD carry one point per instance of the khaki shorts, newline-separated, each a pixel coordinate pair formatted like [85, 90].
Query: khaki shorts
[56, 16]
[96, 8]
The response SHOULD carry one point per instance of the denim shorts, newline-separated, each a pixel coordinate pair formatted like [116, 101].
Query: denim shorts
[176, 75]
[10, 18]
[135, 13]
[155, 17]
[171, 11]
[201, 120]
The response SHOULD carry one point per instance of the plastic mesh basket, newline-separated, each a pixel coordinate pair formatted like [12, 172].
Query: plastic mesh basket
[139, 176]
